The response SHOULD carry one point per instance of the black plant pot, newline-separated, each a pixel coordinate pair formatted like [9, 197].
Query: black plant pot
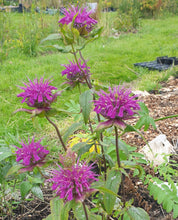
[162, 60]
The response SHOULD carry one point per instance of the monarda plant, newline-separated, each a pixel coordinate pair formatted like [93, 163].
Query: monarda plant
[86, 184]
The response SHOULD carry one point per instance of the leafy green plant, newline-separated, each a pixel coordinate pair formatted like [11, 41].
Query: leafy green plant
[72, 176]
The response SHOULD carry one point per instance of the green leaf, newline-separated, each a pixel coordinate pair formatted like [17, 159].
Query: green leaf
[82, 147]
[137, 213]
[78, 211]
[36, 190]
[112, 183]
[85, 101]
[56, 205]
[25, 187]
[65, 211]
[49, 217]
[76, 33]
[175, 211]
[168, 204]
[5, 152]
[94, 35]
[71, 130]
[65, 49]
[145, 120]
[14, 169]
[56, 36]
[129, 128]
[34, 180]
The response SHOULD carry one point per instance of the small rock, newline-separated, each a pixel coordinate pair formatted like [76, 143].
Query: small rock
[160, 147]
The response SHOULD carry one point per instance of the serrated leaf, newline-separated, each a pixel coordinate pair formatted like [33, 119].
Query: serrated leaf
[144, 110]
[71, 130]
[56, 205]
[36, 190]
[145, 120]
[25, 187]
[56, 36]
[85, 101]
[175, 211]
[5, 152]
[168, 204]
[137, 213]
[65, 211]
[112, 183]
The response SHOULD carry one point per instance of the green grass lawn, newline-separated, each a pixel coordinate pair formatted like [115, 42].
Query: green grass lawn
[111, 61]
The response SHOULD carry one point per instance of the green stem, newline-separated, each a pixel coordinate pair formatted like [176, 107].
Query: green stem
[163, 118]
[58, 133]
[46, 177]
[84, 208]
[86, 68]
[117, 147]
[74, 53]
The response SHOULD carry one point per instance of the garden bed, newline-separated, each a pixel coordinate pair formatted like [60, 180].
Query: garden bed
[162, 104]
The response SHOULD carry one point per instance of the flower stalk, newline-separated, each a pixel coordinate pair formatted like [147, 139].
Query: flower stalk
[58, 133]
[84, 208]
[117, 147]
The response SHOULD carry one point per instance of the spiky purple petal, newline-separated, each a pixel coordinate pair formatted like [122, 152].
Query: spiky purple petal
[73, 183]
[38, 93]
[74, 73]
[117, 105]
[82, 18]
[31, 154]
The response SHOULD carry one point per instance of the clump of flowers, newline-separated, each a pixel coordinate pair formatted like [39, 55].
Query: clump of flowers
[82, 19]
[117, 106]
[75, 73]
[73, 183]
[38, 93]
[31, 154]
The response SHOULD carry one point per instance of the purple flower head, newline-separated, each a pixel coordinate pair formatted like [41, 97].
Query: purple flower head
[73, 183]
[116, 106]
[82, 19]
[31, 154]
[38, 93]
[75, 74]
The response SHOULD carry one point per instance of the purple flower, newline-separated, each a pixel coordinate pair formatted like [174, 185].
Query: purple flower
[82, 19]
[116, 106]
[75, 74]
[31, 154]
[38, 93]
[73, 183]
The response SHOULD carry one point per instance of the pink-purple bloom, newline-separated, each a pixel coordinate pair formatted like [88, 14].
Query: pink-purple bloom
[76, 74]
[82, 19]
[38, 93]
[74, 182]
[117, 106]
[31, 154]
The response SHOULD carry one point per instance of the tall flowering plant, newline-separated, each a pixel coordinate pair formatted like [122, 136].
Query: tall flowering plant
[79, 177]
